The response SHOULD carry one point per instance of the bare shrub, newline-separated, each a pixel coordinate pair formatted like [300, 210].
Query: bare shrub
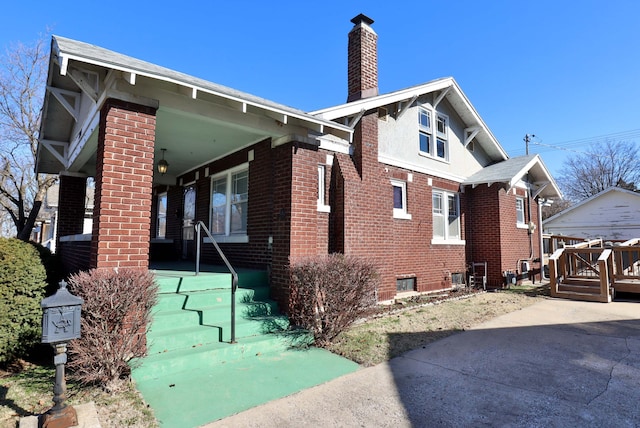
[115, 316]
[329, 293]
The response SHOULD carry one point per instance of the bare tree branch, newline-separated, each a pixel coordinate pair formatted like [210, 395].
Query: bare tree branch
[602, 166]
[23, 71]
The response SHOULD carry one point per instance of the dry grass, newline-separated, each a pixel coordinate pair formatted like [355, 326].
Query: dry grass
[386, 334]
[30, 392]
[382, 338]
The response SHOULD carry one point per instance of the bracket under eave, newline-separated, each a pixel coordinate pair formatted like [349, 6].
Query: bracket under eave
[49, 145]
[61, 95]
[542, 185]
[405, 106]
[441, 96]
[469, 134]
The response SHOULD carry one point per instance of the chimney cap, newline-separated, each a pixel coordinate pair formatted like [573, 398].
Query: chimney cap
[362, 18]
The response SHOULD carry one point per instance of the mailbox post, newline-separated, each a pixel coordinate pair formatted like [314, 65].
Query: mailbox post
[60, 324]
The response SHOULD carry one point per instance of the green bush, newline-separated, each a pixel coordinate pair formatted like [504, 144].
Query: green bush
[53, 267]
[329, 293]
[22, 286]
[115, 316]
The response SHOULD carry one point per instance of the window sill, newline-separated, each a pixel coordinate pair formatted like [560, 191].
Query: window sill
[324, 208]
[435, 158]
[76, 238]
[230, 239]
[402, 215]
[161, 241]
[522, 226]
[448, 242]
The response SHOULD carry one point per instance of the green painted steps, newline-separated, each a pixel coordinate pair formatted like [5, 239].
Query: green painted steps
[191, 366]
[192, 321]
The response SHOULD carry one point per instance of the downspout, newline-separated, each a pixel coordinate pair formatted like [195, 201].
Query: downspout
[540, 234]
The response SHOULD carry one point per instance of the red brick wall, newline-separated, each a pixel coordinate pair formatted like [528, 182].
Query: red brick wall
[414, 255]
[124, 173]
[75, 256]
[493, 235]
[363, 205]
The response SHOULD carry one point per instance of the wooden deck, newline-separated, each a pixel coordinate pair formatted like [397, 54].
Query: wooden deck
[594, 272]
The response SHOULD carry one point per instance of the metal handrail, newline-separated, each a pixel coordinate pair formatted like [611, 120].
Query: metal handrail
[234, 275]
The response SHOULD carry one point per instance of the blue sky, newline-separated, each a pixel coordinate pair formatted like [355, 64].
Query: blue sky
[568, 72]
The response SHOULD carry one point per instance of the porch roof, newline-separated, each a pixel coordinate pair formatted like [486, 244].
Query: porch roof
[82, 76]
[512, 170]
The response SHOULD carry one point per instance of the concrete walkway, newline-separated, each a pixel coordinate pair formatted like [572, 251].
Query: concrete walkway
[558, 363]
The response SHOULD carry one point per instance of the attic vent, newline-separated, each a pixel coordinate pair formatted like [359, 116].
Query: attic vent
[383, 113]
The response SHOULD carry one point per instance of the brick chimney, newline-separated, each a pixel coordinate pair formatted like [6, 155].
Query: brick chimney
[362, 60]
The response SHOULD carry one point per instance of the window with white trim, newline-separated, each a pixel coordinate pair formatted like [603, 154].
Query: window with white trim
[446, 216]
[229, 202]
[520, 212]
[161, 216]
[322, 189]
[400, 200]
[424, 123]
[437, 147]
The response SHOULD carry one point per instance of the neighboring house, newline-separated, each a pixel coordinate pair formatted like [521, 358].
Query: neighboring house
[45, 232]
[613, 214]
[413, 179]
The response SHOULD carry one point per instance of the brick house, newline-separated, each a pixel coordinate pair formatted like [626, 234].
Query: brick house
[413, 179]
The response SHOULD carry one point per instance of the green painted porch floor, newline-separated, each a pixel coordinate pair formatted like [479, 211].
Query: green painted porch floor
[205, 394]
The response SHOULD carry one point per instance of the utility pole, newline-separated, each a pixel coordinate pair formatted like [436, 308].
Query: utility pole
[526, 139]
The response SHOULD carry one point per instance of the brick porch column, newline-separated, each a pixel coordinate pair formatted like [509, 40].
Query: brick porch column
[71, 205]
[124, 176]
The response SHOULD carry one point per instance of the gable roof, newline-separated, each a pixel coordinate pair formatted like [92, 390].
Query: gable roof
[69, 57]
[67, 49]
[512, 170]
[590, 199]
[446, 87]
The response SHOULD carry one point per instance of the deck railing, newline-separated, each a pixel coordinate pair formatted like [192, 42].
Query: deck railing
[234, 275]
[614, 267]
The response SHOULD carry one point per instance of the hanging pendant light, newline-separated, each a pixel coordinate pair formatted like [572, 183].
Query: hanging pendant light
[163, 165]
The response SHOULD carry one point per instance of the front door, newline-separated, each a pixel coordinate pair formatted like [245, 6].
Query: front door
[188, 219]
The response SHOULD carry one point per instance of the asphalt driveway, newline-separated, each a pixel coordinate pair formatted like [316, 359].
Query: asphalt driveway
[558, 363]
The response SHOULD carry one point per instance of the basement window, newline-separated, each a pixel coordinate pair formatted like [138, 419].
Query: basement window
[406, 284]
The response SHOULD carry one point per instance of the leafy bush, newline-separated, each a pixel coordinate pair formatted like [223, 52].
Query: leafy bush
[115, 317]
[329, 293]
[22, 285]
[53, 267]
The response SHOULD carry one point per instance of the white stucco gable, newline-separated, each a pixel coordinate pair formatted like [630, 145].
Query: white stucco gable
[470, 145]
[613, 214]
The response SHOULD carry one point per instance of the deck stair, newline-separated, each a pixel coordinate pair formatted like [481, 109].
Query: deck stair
[594, 272]
[191, 363]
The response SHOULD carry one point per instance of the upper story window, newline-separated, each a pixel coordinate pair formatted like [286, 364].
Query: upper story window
[229, 202]
[424, 121]
[400, 200]
[446, 218]
[520, 220]
[437, 147]
[161, 216]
